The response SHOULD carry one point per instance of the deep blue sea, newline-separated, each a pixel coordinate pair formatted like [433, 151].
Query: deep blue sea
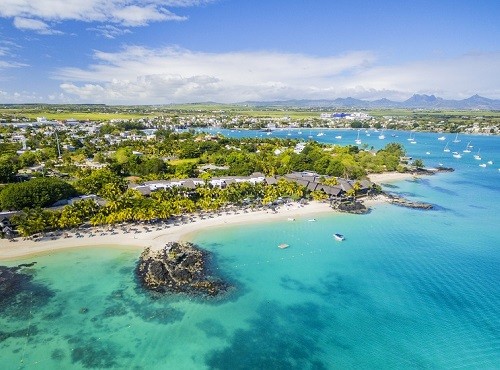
[406, 289]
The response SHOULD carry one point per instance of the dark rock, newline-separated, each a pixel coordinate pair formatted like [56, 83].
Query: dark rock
[178, 268]
[351, 207]
[403, 202]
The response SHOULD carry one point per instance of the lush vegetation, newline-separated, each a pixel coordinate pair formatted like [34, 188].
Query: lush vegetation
[129, 205]
[40, 192]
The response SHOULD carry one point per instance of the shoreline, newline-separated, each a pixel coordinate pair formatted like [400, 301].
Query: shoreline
[185, 231]
[388, 177]
[11, 251]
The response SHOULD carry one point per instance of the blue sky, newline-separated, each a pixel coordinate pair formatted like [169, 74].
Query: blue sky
[174, 51]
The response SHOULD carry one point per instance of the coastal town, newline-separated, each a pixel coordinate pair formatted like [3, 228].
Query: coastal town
[62, 175]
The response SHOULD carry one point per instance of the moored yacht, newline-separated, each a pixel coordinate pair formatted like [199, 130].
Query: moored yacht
[442, 138]
[358, 140]
[457, 155]
[446, 149]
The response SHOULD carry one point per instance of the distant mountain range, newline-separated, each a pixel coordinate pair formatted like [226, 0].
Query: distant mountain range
[417, 101]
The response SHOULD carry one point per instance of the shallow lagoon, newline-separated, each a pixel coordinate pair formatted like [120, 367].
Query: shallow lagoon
[407, 289]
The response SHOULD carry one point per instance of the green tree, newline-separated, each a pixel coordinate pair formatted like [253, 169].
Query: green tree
[40, 192]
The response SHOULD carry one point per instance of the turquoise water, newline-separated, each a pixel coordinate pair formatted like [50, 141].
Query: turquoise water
[407, 289]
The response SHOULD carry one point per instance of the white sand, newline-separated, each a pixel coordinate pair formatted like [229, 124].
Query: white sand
[156, 239]
[182, 232]
[390, 177]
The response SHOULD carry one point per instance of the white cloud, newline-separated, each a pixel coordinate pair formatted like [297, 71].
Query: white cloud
[109, 31]
[22, 97]
[155, 76]
[11, 64]
[34, 15]
[40, 27]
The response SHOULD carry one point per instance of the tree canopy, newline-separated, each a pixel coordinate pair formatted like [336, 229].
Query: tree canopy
[39, 192]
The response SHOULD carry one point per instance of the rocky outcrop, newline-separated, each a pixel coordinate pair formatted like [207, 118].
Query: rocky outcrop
[354, 207]
[179, 268]
[431, 171]
[403, 202]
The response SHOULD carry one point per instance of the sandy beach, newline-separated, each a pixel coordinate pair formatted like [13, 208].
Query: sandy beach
[156, 236]
[388, 177]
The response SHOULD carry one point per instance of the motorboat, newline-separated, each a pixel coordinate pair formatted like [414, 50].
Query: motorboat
[457, 155]
[283, 246]
[442, 138]
[339, 237]
[482, 165]
[490, 162]
[338, 137]
[312, 220]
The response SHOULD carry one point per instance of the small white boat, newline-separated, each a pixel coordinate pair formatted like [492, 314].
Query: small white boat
[338, 137]
[357, 141]
[456, 140]
[457, 155]
[381, 136]
[427, 153]
[413, 142]
[446, 149]
[442, 138]
[490, 162]
[467, 148]
[312, 220]
[339, 237]
[290, 219]
[477, 156]
[320, 134]
[482, 165]
[283, 246]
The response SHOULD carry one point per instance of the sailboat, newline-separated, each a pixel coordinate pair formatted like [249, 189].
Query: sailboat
[358, 140]
[410, 138]
[467, 148]
[446, 149]
[477, 156]
[381, 136]
[456, 140]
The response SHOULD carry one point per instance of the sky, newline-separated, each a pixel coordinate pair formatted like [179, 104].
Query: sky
[187, 51]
